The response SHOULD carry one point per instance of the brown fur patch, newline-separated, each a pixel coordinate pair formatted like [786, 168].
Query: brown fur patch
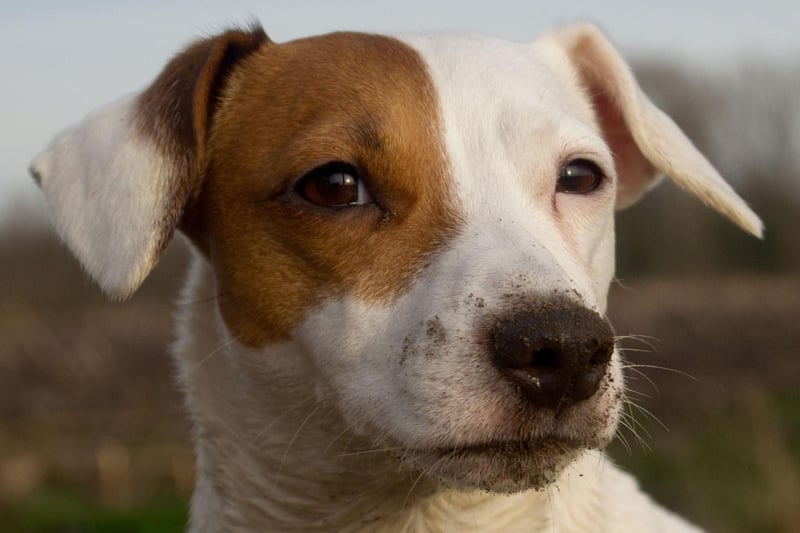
[361, 99]
[176, 109]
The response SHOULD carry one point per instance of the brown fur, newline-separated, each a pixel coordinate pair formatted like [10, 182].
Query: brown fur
[360, 99]
[175, 111]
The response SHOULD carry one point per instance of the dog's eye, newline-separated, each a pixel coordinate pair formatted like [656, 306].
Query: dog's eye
[333, 185]
[579, 176]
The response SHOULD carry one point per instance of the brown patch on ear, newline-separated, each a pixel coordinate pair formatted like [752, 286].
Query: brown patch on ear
[177, 109]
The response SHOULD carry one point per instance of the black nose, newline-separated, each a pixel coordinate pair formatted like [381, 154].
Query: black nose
[556, 353]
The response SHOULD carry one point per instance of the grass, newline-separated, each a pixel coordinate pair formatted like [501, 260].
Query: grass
[736, 471]
[51, 510]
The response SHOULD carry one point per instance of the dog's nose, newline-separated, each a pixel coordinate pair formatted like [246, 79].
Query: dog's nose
[555, 353]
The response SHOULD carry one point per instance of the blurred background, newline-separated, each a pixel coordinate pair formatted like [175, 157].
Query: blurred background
[92, 430]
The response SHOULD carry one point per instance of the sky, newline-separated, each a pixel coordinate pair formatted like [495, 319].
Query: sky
[60, 59]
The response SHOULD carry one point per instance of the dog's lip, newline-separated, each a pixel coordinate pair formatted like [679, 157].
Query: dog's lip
[535, 445]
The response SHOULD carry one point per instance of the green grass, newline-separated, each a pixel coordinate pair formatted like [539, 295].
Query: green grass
[59, 511]
[737, 470]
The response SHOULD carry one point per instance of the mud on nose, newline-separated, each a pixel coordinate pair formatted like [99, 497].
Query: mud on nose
[555, 352]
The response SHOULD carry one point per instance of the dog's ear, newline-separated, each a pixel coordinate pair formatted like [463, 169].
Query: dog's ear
[645, 142]
[117, 183]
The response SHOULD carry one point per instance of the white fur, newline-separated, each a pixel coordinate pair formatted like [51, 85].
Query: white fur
[330, 430]
[107, 189]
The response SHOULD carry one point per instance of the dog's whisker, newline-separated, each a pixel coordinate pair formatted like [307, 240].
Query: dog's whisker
[216, 350]
[416, 481]
[294, 437]
[424, 471]
[347, 428]
[277, 419]
[621, 437]
[637, 350]
[630, 423]
[636, 370]
[365, 452]
[664, 368]
[636, 336]
[551, 504]
[649, 414]
[644, 339]
[349, 442]
[638, 394]
[198, 301]
[638, 424]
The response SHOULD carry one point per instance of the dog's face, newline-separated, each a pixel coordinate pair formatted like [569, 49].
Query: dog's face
[426, 223]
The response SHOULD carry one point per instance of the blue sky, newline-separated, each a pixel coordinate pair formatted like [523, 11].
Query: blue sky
[61, 59]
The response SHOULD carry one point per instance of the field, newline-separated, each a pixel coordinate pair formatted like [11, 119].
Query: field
[93, 436]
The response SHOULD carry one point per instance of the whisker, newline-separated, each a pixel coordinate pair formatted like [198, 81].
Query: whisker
[276, 420]
[376, 450]
[345, 430]
[634, 368]
[622, 438]
[552, 505]
[211, 353]
[665, 368]
[621, 284]
[629, 422]
[601, 463]
[202, 300]
[636, 336]
[640, 394]
[639, 350]
[294, 437]
[421, 474]
[644, 339]
[650, 415]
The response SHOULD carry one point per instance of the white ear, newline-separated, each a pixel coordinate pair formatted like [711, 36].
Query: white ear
[118, 182]
[646, 143]
[107, 186]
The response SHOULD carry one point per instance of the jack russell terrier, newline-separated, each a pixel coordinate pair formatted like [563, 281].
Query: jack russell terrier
[394, 318]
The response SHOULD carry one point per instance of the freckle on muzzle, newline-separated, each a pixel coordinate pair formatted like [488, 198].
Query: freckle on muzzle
[555, 352]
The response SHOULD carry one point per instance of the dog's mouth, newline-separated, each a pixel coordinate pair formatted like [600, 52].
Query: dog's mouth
[512, 447]
[499, 465]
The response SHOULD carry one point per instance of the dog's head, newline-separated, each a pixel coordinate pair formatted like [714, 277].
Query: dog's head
[427, 222]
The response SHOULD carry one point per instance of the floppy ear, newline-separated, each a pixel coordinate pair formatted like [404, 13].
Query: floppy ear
[645, 142]
[117, 183]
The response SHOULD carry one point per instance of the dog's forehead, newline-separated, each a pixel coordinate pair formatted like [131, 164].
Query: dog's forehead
[488, 63]
[482, 75]
[486, 75]
[512, 114]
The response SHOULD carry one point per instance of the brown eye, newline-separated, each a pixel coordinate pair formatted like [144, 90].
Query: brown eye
[333, 185]
[579, 176]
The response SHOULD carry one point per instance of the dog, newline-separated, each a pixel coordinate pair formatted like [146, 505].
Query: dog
[402, 246]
